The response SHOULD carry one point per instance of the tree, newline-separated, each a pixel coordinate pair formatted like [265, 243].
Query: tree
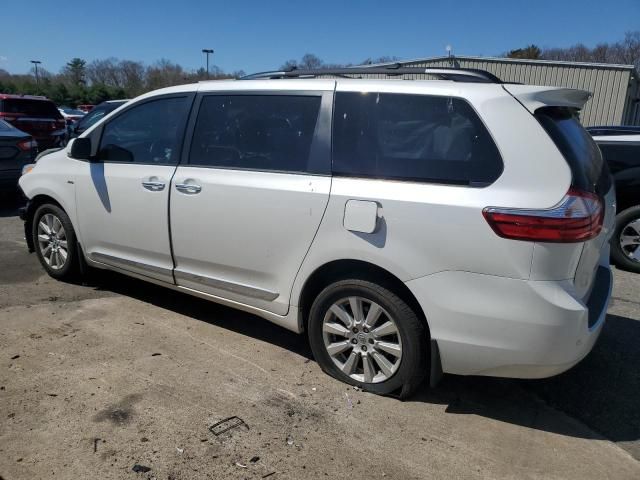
[531, 52]
[625, 52]
[75, 71]
[289, 65]
[310, 62]
[375, 60]
[164, 73]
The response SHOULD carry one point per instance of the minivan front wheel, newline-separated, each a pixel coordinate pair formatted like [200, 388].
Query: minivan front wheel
[366, 335]
[55, 242]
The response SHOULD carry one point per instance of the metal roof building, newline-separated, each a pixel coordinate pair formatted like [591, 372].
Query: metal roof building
[615, 88]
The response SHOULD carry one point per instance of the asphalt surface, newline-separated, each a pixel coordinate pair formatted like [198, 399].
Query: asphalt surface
[98, 378]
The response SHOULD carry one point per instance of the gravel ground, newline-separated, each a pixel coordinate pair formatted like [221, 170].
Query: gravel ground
[99, 378]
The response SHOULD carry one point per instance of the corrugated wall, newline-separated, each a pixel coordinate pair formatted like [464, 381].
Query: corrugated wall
[614, 89]
[610, 86]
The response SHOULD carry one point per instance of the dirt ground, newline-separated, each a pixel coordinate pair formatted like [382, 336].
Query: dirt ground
[97, 379]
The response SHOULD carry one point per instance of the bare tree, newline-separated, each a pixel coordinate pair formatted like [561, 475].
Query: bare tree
[289, 65]
[625, 52]
[310, 62]
[165, 73]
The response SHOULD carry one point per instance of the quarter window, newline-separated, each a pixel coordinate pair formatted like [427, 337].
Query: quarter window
[259, 132]
[150, 133]
[412, 137]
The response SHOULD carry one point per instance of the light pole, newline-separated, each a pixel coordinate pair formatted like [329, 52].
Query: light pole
[207, 52]
[36, 63]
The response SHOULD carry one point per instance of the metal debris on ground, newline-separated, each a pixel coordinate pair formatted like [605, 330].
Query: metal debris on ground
[95, 445]
[289, 440]
[140, 468]
[238, 464]
[15, 357]
[227, 424]
[268, 474]
[155, 354]
[180, 450]
[254, 459]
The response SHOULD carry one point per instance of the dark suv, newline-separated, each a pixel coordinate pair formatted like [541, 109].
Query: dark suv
[38, 116]
[620, 147]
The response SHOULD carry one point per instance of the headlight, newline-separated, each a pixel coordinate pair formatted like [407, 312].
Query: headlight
[27, 168]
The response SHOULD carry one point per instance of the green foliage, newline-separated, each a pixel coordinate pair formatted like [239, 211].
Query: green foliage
[531, 52]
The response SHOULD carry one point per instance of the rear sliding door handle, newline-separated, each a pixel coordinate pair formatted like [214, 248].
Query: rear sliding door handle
[153, 186]
[188, 188]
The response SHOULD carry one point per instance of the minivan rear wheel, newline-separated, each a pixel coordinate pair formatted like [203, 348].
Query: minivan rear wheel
[625, 244]
[365, 335]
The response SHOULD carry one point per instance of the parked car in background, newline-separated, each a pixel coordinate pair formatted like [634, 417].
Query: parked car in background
[37, 116]
[94, 115]
[408, 227]
[86, 108]
[71, 115]
[620, 147]
[17, 149]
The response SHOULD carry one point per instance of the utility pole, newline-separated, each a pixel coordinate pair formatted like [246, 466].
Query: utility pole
[207, 52]
[36, 63]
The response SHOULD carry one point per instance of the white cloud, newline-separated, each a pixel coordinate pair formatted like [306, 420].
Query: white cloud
[3, 58]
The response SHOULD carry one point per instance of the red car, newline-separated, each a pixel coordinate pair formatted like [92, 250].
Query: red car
[38, 116]
[86, 108]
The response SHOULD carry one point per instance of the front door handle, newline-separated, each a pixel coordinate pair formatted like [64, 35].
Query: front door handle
[154, 186]
[190, 188]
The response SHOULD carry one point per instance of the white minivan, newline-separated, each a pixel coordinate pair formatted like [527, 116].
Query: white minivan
[409, 227]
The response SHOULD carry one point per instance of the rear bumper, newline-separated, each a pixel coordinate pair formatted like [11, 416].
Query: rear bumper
[504, 327]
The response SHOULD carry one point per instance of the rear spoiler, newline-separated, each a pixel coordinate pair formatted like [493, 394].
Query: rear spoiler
[534, 97]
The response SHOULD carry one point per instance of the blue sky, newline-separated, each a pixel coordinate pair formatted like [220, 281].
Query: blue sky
[261, 35]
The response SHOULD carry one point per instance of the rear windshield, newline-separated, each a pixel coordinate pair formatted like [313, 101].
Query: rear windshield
[578, 148]
[31, 108]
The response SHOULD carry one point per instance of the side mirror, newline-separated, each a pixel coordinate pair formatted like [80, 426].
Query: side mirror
[80, 149]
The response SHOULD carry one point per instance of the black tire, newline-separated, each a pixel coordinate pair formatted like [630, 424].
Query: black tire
[70, 270]
[620, 257]
[413, 366]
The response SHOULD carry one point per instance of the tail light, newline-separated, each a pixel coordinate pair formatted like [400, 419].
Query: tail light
[577, 218]
[27, 145]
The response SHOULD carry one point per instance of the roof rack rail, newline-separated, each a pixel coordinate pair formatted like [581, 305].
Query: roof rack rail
[453, 74]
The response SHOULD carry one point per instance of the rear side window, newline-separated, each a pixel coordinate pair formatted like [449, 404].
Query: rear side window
[578, 148]
[257, 132]
[412, 137]
[31, 108]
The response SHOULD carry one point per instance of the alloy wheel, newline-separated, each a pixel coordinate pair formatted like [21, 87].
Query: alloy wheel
[630, 240]
[362, 339]
[52, 241]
